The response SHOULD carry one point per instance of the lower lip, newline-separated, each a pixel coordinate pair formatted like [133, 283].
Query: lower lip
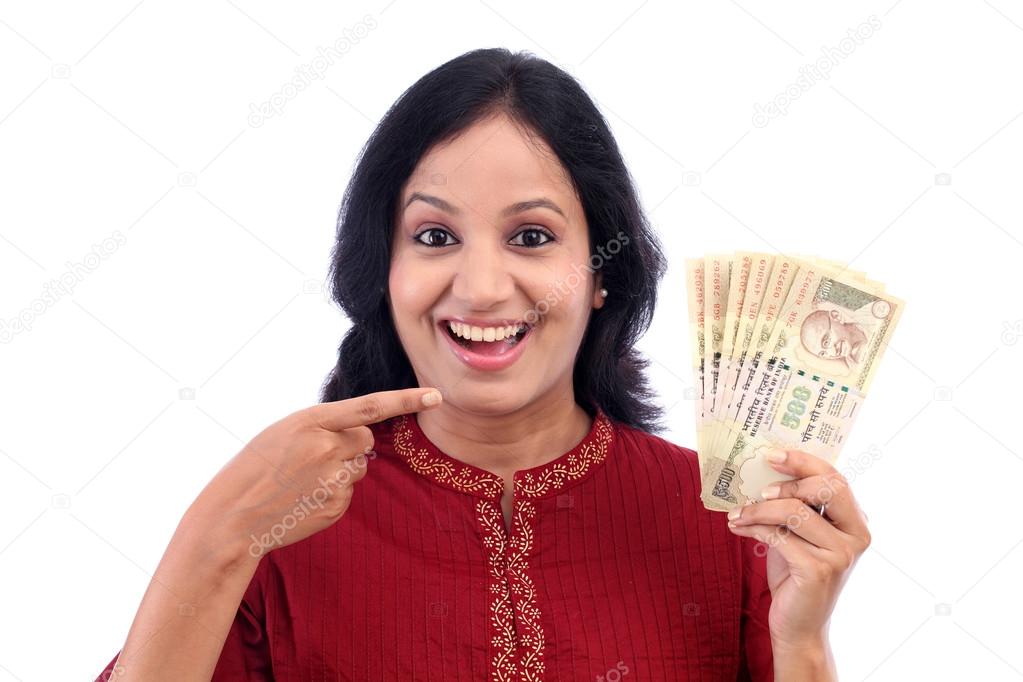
[487, 363]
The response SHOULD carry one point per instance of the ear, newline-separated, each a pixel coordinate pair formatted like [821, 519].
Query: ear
[598, 300]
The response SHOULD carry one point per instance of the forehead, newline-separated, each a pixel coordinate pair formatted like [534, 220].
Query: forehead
[491, 165]
[817, 322]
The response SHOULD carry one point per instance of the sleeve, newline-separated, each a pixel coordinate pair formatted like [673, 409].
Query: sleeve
[756, 655]
[246, 652]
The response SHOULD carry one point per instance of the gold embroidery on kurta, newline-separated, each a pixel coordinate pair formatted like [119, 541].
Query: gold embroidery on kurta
[531, 639]
[516, 642]
[574, 466]
[461, 477]
[517, 636]
[502, 616]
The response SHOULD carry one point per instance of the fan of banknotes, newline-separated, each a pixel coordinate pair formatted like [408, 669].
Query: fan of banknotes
[784, 350]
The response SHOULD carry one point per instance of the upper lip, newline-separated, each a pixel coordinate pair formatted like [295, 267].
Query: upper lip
[483, 322]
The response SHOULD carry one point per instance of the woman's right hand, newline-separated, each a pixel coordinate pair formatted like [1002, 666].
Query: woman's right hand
[292, 480]
[296, 477]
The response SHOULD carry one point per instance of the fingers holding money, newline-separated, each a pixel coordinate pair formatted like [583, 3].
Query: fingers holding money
[796, 550]
[814, 490]
[818, 482]
[786, 516]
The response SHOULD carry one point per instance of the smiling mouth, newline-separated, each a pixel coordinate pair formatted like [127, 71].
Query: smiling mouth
[479, 345]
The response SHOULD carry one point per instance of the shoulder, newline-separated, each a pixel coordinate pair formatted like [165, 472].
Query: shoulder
[646, 449]
[667, 476]
[669, 472]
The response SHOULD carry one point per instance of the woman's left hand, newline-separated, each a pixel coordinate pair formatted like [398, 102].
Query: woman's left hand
[810, 556]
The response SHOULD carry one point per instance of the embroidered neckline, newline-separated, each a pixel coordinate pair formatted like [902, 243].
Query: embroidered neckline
[425, 458]
[517, 637]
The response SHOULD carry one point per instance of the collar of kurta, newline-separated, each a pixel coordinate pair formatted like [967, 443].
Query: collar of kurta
[425, 458]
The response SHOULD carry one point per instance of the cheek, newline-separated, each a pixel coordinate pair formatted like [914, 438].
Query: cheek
[562, 294]
[409, 290]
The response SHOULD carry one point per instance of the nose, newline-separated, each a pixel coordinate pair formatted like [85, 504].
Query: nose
[482, 278]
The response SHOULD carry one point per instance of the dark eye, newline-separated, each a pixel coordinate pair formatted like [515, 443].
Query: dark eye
[534, 238]
[436, 237]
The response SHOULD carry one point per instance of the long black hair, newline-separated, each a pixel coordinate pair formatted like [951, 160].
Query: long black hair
[543, 99]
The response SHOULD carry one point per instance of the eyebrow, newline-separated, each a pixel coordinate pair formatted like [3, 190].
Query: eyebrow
[519, 207]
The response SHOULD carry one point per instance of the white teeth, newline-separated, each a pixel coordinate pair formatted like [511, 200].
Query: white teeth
[490, 334]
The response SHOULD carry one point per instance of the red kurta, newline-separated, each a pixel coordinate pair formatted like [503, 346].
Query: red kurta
[613, 569]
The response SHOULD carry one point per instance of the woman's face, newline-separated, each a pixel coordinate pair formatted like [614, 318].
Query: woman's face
[489, 234]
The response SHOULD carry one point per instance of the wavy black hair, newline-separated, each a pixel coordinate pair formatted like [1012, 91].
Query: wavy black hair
[545, 100]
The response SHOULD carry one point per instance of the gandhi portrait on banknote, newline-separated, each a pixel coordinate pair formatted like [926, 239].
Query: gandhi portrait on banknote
[832, 333]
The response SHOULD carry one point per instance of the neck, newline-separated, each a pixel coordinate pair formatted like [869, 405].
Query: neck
[505, 443]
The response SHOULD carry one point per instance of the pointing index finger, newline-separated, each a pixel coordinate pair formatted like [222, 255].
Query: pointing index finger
[373, 407]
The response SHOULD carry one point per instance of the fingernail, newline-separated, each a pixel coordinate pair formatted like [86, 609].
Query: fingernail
[735, 514]
[776, 456]
[770, 492]
[431, 398]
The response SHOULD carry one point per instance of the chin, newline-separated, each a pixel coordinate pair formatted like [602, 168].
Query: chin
[482, 400]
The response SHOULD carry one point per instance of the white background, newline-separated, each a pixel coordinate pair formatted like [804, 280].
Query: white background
[209, 322]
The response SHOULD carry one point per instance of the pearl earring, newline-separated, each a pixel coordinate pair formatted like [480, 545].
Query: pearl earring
[603, 293]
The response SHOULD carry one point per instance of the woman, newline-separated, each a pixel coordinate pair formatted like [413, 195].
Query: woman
[528, 526]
